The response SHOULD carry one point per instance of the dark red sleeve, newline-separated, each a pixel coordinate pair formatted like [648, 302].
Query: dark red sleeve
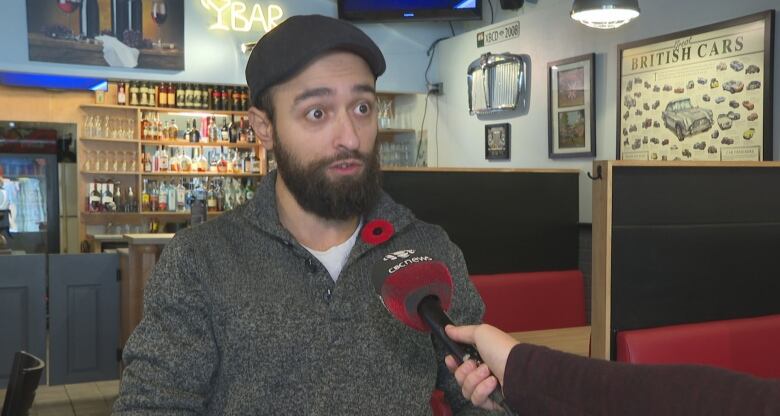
[540, 381]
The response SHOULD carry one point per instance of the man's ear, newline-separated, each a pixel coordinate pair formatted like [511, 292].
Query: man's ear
[263, 127]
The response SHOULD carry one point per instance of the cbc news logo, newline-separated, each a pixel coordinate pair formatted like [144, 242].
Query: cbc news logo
[402, 254]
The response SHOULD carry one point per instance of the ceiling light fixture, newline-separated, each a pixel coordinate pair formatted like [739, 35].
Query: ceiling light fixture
[604, 14]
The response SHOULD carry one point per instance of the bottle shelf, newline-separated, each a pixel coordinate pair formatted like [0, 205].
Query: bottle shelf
[175, 213]
[200, 174]
[396, 131]
[108, 139]
[171, 110]
[119, 217]
[181, 143]
[111, 173]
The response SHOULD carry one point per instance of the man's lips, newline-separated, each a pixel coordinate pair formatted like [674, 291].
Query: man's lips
[346, 165]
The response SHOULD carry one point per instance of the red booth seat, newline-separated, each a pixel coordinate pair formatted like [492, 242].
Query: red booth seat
[532, 301]
[750, 345]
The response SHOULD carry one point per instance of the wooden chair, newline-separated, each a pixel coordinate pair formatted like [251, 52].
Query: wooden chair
[25, 375]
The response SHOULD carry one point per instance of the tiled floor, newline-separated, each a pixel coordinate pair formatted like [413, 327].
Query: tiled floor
[87, 399]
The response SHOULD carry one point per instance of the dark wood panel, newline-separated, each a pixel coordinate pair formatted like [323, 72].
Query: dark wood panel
[84, 308]
[673, 275]
[686, 195]
[22, 309]
[503, 221]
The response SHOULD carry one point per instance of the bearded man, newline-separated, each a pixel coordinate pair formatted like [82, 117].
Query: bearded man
[269, 309]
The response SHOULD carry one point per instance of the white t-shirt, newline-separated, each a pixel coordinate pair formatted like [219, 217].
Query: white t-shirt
[335, 257]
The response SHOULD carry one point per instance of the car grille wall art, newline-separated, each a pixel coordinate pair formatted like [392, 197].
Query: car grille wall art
[701, 94]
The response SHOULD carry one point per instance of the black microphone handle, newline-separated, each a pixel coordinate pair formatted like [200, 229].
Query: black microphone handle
[433, 315]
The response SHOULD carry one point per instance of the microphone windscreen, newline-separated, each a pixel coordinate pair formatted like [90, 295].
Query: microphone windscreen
[402, 282]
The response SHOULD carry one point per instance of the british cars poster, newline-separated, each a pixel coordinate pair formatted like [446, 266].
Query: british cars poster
[701, 94]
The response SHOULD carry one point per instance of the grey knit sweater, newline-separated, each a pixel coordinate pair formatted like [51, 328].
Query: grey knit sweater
[239, 319]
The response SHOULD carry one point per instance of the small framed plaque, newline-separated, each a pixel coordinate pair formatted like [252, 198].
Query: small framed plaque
[497, 140]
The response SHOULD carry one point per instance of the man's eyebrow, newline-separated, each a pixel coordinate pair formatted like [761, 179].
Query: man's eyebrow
[324, 92]
[364, 88]
[314, 92]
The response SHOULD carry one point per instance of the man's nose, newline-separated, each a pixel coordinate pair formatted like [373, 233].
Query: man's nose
[346, 132]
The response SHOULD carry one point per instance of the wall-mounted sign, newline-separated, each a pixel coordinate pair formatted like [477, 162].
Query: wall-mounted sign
[502, 33]
[239, 16]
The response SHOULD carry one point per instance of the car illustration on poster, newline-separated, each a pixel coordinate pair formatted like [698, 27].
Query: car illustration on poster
[685, 120]
[733, 86]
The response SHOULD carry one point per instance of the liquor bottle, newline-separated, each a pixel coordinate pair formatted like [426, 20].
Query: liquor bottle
[133, 93]
[121, 95]
[108, 197]
[195, 134]
[94, 198]
[175, 161]
[249, 191]
[131, 205]
[224, 99]
[202, 100]
[145, 198]
[242, 133]
[188, 96]
[143, 95]
[213, 130]
[204, 132]
[162, 95]
[173, 130]
[186, 163]
[171, 95]
[162, 197]
[247, 163]
[154, 197]
[211, 199]
[180, 197]
[151, 91]
[224, 132]
[195, 97]
[256, 165]
[147, 162]
[172, 204]
[119, 204]
[180, 98]
[215, 97]
[163, 160]
[236, 98]
[233, 132]
[250, 135]
[244, 99]
[203, 163]
[188, 132]
[219, 194]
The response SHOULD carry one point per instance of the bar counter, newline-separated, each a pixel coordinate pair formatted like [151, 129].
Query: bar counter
[136, 264]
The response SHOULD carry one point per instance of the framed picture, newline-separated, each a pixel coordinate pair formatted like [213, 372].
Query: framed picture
[571, 111]
[142, 34]
[497, 141]
[700, 94]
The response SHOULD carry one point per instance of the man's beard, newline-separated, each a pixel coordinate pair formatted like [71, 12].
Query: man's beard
[339, 199]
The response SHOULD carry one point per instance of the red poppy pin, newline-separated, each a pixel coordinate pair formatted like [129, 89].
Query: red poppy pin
[377, 232]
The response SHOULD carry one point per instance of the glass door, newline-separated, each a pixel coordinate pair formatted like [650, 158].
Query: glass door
[29, 193]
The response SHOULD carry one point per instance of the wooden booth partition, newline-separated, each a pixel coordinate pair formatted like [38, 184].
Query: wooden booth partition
[504, 220]
[682, 242]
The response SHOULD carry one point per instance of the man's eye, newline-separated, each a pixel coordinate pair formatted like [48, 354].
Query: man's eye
[363, 108]
[315, 114]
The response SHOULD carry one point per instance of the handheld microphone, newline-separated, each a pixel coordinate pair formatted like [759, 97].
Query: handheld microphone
[417, 290]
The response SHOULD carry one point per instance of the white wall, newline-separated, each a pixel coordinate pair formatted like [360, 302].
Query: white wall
[547, 33]
[215, 56]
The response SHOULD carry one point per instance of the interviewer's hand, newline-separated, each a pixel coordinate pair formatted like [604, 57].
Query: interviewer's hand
[494, 346]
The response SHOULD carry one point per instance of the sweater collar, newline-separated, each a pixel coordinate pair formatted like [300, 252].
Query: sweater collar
[262, 212]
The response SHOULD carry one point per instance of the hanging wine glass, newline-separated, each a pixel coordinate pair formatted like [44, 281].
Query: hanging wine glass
[159, 15]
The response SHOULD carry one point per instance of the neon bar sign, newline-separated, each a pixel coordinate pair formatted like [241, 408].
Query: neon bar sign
[236, 15]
